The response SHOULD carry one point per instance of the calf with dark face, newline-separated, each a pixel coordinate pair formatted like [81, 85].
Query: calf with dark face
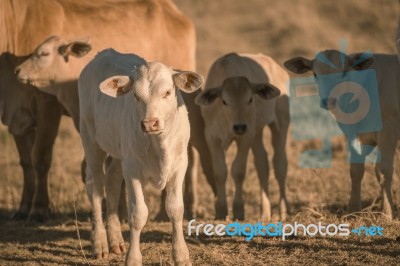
[333, 67]
[243, 94]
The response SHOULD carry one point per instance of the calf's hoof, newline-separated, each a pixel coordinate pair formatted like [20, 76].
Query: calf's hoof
[354, 207]
[102, 255]
[183, 263]
[238, 211]
[39, 216]
[20, 216]
[118, 249]
[283, 209]
[133, 262]
[221, 211]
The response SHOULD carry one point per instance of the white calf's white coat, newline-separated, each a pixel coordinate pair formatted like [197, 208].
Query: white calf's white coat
[145, 125]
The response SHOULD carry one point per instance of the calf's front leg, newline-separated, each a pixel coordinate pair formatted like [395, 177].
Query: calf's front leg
[137, 214]
[239, 173]
[174, 208]
[262, 168]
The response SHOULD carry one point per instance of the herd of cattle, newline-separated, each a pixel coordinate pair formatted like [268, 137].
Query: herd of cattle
[125, 74]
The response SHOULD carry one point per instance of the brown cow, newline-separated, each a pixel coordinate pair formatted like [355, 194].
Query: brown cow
[162, 27]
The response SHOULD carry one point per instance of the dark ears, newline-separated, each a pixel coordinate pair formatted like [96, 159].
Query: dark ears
[361, 61]
[298, 65]
[76, 49]
[208, 96]
[265, 90]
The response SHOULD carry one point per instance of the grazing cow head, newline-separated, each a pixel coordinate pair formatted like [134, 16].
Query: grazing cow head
[49, 61]
[236, 99]
[155, 89]
[329, 65]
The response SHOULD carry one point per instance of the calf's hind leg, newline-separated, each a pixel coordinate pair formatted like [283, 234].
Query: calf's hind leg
[387, 143]
[279, 136]
[95, 188]
[114, 178]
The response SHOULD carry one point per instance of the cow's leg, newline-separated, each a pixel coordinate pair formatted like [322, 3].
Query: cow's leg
[162, 215]
[95, 187]
[83, 170]
[191, 179]
[137, 215]
[239, 172]
[24, 145]
[387, 143]
[198, 138]
[357, 170]
[123, 207]
[262, 167]
[47, 123]
[280, 162]
[114, 179]
[205, 160]
[356, 174]
[174, 207]
[220, 174]
[190, 189]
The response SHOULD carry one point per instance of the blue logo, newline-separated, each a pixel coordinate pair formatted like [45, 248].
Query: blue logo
[343, 103]
[368, 231]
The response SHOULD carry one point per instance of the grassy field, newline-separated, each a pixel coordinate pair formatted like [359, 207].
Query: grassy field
[281, 29]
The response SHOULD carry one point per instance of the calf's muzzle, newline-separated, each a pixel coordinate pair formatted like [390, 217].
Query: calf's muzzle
[239, 129]
[151, 125]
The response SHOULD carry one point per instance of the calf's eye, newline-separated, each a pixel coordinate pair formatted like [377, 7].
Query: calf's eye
[44, 53]
[168, 93]
[224, 103]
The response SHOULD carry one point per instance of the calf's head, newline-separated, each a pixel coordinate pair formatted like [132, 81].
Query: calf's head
[49, 62]
[156, 90]
[235, 98]
[329, 67]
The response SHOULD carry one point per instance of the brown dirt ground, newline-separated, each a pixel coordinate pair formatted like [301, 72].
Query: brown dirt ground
[281, 29]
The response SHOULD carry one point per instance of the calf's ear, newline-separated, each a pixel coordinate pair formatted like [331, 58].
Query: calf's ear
[298, 65]
[265, 90]
[187, 81]
[77, 49]
[208, 96]
[361, 61]
[116, 86]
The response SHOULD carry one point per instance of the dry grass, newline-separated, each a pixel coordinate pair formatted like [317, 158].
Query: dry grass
[281, 29]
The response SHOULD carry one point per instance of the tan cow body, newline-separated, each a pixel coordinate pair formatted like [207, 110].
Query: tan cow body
[166, 35]
[240, 98]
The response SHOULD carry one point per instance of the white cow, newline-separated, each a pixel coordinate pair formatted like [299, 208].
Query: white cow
[387, 69]
[144, 124]
[241, 96]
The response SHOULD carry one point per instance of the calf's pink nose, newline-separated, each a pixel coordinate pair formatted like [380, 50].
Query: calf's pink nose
[150, 125]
